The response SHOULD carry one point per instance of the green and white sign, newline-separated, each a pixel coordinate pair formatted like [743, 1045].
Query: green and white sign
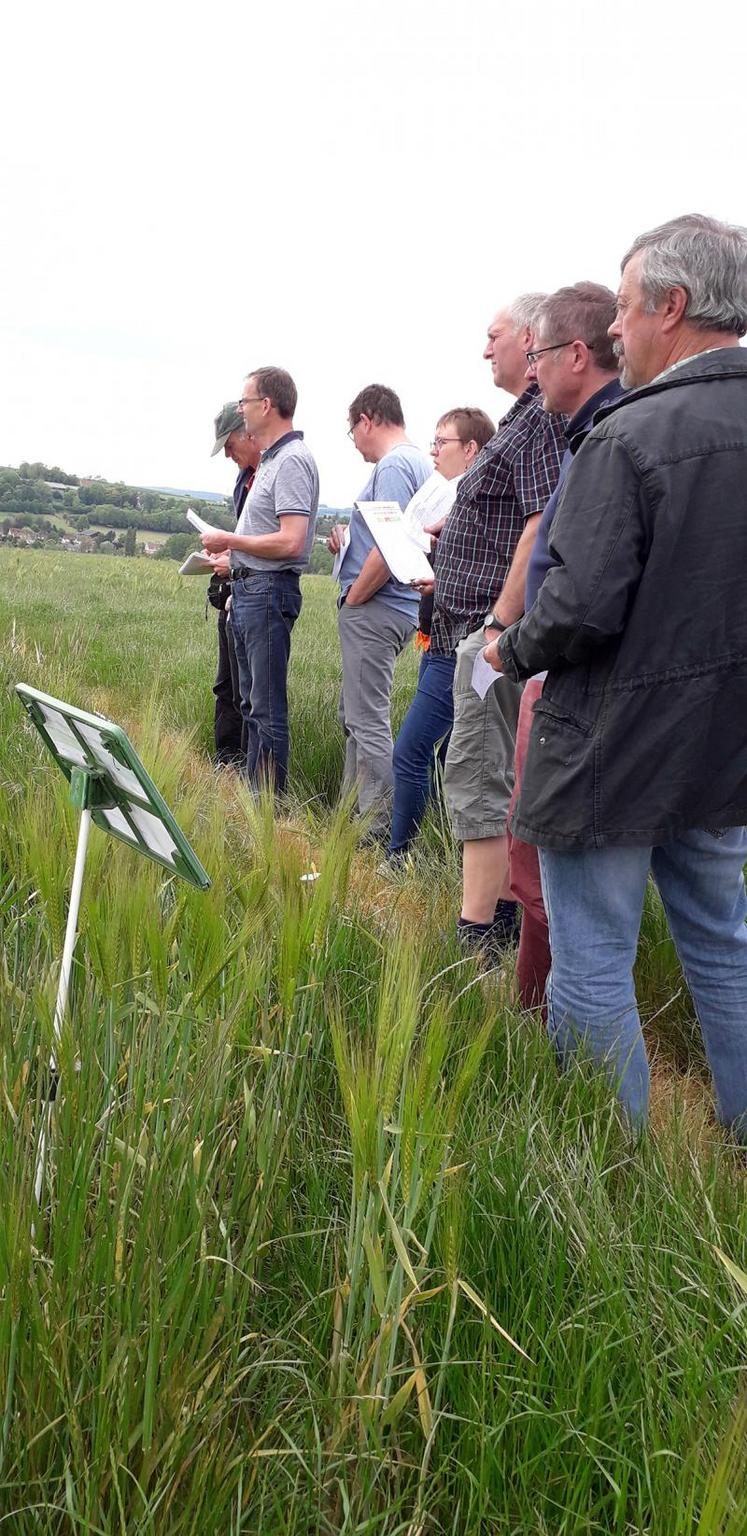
[110, 787]
[107, 777]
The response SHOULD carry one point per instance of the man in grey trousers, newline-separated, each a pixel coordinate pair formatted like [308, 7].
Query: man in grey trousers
[377, 615]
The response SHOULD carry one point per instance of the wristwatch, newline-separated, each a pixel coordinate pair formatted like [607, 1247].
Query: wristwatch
[491, 622]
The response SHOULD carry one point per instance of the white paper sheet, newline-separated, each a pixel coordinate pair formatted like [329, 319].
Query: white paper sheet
[196, 564]
[483, 675]
[341, 553]
[430, 504]
[406, 559]
[200, 524]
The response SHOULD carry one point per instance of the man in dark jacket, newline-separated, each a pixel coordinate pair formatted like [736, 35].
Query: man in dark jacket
[637, 757]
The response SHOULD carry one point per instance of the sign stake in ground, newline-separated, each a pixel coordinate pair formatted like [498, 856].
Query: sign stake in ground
[111, 787]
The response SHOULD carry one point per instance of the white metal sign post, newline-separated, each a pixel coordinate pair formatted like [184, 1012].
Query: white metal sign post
[112, 788]
[71, 934]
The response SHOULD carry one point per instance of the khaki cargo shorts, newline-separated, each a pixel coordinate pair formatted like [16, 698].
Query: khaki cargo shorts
[479, 773]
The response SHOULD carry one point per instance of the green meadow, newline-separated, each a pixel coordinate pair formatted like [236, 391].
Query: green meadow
[328, 1246]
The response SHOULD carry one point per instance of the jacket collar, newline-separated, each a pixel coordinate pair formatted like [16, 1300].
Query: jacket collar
[580, 425]
[721, 363]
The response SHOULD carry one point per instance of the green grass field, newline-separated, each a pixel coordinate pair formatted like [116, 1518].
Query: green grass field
[328, 1246]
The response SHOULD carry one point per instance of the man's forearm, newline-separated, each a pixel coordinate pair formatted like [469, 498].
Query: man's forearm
[265, 546]
[373, 573]
[509, 605]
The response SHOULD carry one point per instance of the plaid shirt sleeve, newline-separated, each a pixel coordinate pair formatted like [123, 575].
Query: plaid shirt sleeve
[537, 466]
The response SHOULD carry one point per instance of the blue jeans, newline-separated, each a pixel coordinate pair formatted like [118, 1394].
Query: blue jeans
[264, 609]
[594, 900]
[427, 722]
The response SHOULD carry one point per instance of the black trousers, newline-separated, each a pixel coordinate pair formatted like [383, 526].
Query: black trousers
[230, 742]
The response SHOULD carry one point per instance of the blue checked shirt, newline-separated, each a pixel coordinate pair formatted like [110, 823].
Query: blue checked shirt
[511, 479]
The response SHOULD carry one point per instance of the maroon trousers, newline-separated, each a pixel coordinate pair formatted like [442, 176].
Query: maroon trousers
[533, 961]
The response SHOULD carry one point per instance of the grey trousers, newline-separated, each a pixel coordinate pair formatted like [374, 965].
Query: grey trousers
[371, 638]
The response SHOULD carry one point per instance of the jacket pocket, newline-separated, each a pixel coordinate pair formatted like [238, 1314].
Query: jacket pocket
[558, 715]
[557, 801]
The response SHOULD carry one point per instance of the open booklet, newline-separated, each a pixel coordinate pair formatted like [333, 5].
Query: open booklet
[197, 564]
[400, 548]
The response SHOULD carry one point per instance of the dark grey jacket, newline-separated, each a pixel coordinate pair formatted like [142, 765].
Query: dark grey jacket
[641, 731]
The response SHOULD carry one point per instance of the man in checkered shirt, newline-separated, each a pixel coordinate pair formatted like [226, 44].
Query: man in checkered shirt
[480, 567]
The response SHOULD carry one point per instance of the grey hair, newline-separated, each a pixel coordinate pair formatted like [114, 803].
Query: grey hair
[705, 257]
[525, 309]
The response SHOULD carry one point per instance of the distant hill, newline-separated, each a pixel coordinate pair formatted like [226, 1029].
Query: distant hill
[168, 490]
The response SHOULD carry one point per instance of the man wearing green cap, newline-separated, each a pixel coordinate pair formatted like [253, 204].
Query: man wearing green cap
[230, 743]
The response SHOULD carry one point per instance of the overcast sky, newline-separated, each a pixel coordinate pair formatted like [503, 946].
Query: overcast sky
[346, 191]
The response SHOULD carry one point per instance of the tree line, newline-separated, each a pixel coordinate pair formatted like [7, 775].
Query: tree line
[25, 493]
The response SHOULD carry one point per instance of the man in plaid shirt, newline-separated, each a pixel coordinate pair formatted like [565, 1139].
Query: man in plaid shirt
[480, 568]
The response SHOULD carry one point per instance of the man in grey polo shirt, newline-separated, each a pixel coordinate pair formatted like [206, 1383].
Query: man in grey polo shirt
[269, 550]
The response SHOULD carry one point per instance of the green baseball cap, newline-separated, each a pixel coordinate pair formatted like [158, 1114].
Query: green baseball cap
[228, 420]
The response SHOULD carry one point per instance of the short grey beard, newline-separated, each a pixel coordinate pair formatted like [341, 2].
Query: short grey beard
[625, 379]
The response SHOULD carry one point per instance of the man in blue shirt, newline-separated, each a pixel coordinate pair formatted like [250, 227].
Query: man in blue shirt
[377, 615]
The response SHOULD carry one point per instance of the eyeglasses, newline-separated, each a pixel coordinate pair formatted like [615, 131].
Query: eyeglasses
[438, 442]
[251, 399]
[536, 352]
[352, 429]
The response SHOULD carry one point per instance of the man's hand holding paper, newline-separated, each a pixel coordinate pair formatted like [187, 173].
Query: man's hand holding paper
[216, 541]
[484, 673]
[337, 538]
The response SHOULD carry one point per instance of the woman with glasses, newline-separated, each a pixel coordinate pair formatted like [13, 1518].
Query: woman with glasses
[459, 437]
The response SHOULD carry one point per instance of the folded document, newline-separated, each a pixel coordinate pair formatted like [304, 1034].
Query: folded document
[388, 525]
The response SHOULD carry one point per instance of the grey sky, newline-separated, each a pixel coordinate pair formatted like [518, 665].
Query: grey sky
[348, 192]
